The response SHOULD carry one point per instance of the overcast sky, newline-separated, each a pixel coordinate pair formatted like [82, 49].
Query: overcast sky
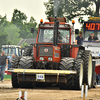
[33, 8]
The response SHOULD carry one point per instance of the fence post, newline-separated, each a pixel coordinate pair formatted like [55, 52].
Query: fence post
[84, 91]
[23, 95]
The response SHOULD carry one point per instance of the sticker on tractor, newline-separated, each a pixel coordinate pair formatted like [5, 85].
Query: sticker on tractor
[40, 77]
[45, 50]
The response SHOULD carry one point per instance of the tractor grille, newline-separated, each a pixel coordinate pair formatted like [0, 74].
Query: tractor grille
[46, 51]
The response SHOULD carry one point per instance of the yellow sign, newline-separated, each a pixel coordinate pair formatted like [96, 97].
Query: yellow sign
[94, 18]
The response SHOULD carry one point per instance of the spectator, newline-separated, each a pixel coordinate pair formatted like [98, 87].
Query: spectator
[97, 78]
[3, 64]
[79, 39]
[16, 56]
[92, 37]
[10, 60]
[13, 56]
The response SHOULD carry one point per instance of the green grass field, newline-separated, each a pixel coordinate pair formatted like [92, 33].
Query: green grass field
[7, 77]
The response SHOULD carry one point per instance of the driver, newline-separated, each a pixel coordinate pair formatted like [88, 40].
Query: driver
[92, 37]
[59, 38]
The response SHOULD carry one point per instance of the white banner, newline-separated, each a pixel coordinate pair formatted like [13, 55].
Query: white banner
[95, 51]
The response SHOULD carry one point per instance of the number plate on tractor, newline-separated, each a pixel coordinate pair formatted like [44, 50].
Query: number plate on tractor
[40, 77]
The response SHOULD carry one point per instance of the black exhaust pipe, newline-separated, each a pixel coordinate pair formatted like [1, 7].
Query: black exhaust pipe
[55, 31]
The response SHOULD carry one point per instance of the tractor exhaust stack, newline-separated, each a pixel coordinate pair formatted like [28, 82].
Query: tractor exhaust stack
[55, 32]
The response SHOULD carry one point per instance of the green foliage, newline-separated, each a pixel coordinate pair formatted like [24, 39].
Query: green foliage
[81, 20]
[3, 38]
[73, 8]
[3, 35]
[12, 32]
[24, 44]
[50, 8]
[20, 20]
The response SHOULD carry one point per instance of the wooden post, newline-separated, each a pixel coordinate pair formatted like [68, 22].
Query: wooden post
[84, 91]
[57, 77]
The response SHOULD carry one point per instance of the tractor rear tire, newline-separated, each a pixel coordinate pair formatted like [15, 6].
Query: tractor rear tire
[67, 64]
[14, 76]
[27, 52]
[15, 62]
[78, 81]
[88, 68]
[86, 56]
[26, 63]
[14, 79]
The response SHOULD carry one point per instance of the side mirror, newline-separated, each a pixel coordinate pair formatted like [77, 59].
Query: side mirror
[32, 30]
[76, 31]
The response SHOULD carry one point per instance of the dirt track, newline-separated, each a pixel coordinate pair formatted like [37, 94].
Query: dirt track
[8, 93]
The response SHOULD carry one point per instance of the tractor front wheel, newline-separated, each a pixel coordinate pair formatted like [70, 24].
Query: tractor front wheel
[88, 68]
[26, 63]
[78, 80]
[67, 64]
[14, 77]
[86, 56]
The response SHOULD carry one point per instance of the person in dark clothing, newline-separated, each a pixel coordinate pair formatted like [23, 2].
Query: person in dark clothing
[79, 39]
[10, 61]
[59, 38]
[3, 64]
[97, 78]
[92, 37]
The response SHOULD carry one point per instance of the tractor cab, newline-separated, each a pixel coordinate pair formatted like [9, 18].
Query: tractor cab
[46, 36]
[10, 50]
[54, 40]
[46, 32]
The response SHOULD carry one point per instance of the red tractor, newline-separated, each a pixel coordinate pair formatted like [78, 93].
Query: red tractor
[54, 59]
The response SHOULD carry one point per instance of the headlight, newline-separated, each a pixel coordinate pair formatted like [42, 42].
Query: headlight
[41, 58]
[50, 59]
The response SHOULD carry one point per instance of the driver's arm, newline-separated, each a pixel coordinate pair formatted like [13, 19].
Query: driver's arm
[60, 39]
[97, 39]
[76, 42]
[6, 63]
[89, 39]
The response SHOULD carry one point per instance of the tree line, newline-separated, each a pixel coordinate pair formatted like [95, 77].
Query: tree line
[11, 32]
[73, 8]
